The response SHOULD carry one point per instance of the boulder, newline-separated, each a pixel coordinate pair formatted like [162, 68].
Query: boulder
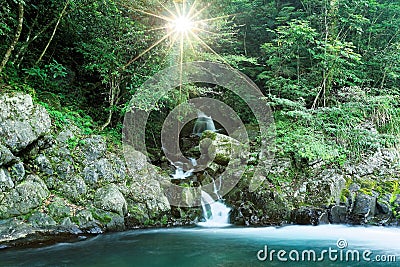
[306, 216]
[338, 214]
[364, 208]
[58, 209]
[44, 165]
[221, 148]
[5, 180]
[39, 219]
[21, 121]
[93, 147]
[74, 189]
[25, 197]
[6, 156]
[109, 198]
[17, 172]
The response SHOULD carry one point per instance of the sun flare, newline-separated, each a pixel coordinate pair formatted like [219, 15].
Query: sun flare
[182, 24]
[183, 27]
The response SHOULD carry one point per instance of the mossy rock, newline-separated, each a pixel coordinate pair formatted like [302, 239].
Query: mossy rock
[24, 198]
[59, 209]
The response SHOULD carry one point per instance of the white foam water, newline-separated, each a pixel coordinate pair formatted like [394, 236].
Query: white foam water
[215, 212]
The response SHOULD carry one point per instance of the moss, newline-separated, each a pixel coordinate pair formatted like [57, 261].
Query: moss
[102, 216]
[388, 187]
[164, 220]
[58, 209]
[209, 134]
[367, 186]
[345, 194]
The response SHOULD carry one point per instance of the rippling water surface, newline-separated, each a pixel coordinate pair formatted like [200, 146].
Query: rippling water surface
[231, 246]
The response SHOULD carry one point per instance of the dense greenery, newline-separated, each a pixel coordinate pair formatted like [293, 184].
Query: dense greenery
[329, 68]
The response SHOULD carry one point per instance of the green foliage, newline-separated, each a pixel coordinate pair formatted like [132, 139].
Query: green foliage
[47, 77]
[63, 117]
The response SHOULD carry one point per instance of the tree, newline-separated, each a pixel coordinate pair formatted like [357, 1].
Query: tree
[16, 36]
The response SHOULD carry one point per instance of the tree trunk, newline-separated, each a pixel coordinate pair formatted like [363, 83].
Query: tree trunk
[112, 99]
[54, 32]
[16, 36]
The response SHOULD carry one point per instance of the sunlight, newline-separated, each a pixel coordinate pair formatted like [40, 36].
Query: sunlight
[182, 24]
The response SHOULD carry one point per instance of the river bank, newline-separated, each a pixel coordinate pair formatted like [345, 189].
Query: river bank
[60, 183]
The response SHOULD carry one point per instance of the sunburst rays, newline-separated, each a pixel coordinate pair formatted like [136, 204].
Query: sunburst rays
[183, 27]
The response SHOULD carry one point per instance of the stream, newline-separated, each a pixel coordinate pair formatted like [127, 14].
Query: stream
[223, 246]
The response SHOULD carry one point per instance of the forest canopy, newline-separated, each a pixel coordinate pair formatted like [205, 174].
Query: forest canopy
[324, 65]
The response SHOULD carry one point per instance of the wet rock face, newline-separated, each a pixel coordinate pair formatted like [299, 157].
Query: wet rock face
[307, 216]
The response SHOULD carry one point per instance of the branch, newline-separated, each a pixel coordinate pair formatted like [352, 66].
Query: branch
[54, 32]
[16, 36]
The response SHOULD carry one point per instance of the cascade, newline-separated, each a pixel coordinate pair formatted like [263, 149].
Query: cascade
[215, 212]
[202, 124]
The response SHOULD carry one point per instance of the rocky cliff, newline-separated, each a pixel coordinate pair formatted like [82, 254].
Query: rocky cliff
[58, 183]
[61, 182]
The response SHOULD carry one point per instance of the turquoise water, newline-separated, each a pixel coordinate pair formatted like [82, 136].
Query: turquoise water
[232, 246]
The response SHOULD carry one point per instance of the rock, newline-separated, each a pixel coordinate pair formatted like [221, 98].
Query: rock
[17, 172]
[109, 220]
[85, 219]
[149, 192]
[39, 219]
[268, 206]
[109, 198]
[365, 205]
[44, 165]
[23, 198]
[136, 161]
[338, 214]
[104, 170]
[67, 134]
[221, 148]
[119, 168]
[90, 175]
[94, 147]
[74, 189]
[137, 213]
[383, 205]
[58, 209]
[324, 218]
[306, 216]
[6, 157]
[65, 169]
[364, 208]
[5, 180]
[21, 121]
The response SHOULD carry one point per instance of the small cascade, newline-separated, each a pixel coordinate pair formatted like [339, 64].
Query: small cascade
[202, 124]
[216, 213]
[180, 173]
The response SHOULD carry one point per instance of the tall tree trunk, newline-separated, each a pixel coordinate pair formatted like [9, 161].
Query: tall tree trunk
[16, 36]
[112, 99]
[54, 32]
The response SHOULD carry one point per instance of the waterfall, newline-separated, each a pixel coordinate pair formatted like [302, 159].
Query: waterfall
[215, 212]
[180, 173]
[203, 123]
